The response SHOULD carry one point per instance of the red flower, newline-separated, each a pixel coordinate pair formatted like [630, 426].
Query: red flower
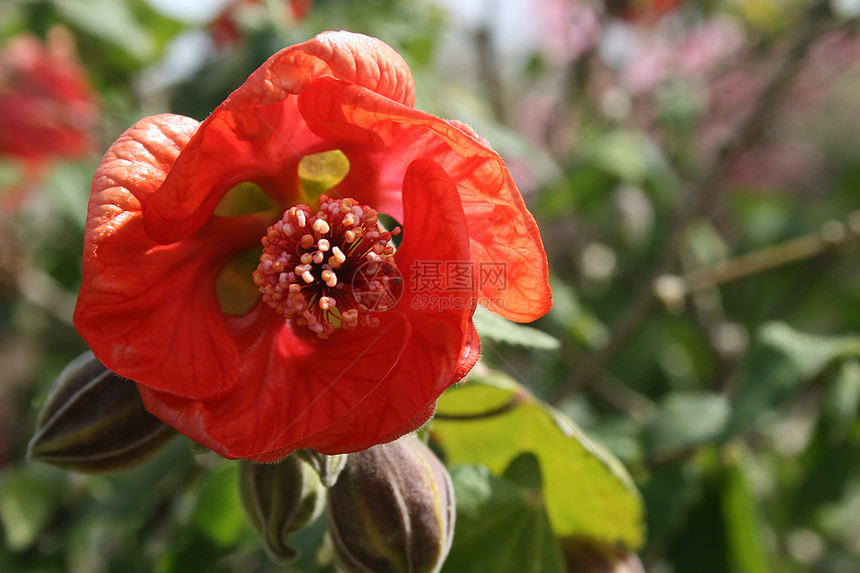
[310, 365]
[641, 10]
[47, 107]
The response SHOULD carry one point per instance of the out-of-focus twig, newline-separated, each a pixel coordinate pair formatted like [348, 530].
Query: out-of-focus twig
[832, 235]
[700, 195]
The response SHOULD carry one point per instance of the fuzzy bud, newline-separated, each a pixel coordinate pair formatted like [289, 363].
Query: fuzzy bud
[94, 421]
[392, 510]
[280, 499]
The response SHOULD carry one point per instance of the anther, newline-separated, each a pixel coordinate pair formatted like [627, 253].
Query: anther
[329, 278]
[321, 227]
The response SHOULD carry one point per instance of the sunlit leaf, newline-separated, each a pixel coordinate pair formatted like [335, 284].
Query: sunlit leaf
[743, 523]
[492, 420]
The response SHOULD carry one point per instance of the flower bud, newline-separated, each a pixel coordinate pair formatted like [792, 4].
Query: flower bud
[328, 467]
[280, 499]
[94, 421]
[590, 556]
[392, 510]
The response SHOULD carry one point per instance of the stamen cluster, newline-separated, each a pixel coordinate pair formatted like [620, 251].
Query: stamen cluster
[328, 269]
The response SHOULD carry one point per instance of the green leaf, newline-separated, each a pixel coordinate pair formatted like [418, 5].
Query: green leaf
[115, 23]
[628, 154]
[583, 189]
[670, 491]
[705, 245]
[568, 313]
[807, 353]
[843, 397]
[782, 360]
[492, 420]
[524, 471]
[832, 463]
[743, 524]
[500, 329]
[686, 419]
[500, 527]
[218, 514]
[28, 497]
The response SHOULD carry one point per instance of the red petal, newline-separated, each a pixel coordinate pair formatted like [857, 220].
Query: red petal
[469, 356]
[257, 134]
[376, 131]
[444, 344]
[293, 385]
[149, 311]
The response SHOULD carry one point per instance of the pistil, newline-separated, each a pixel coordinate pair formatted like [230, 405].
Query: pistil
[329, 269]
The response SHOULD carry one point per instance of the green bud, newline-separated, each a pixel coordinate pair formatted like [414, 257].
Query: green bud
[328, 467]
[94, 422]
[280, 499]
[585, 555]
[392, 510]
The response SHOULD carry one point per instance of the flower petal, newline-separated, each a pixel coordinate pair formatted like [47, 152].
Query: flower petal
[149, 311]
[372, 130]
[257, 134]
[292, 387]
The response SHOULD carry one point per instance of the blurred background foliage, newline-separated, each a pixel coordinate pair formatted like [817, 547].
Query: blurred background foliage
[695, 171]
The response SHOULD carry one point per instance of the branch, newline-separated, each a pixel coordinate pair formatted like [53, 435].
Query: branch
[832, 236]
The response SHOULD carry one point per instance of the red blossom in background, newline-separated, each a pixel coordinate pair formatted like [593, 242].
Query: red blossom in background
[641, 10]
[47, 107]
[309, 365]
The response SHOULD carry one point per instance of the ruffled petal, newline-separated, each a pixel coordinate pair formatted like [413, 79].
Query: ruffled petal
[149, 311]
[443, 345]
[293, 386]
[379, 132]
[469, 356]
[257, 134]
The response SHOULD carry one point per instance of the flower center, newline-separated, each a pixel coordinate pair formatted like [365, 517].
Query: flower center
[330, 269]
